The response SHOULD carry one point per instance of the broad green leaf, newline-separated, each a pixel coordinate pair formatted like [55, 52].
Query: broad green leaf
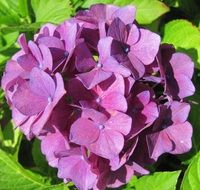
[157, 181]
[23, 8]
[8, 39]
[147, 10]
[185, 37]
[8, 12]
[14, 176]
[51, 10]
[191, 179]
[11, 140]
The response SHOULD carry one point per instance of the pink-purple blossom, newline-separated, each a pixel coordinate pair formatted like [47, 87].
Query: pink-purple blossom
[102, 94]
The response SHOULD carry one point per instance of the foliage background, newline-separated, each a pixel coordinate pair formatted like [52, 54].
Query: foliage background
[22, 166]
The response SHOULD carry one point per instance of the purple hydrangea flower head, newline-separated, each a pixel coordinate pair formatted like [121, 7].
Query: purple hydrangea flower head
[103, 96]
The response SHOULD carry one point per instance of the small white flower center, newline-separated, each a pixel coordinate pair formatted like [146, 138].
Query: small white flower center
[101, 127]
[98, 100]
[49, 99]
[99, 65]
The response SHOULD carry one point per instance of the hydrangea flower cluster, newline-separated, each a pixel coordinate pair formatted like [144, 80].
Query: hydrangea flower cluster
[102, 94]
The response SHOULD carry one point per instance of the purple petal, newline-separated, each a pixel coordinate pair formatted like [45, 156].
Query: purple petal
[51, 42]
[186, 87]
[119, 122]
[94, 77]
[151, 112]
[97, 117]
[27, 62]
[41, 83]
[51, 144]
[113, 66]
[27, 102]
[180, 111]
[23, 44]
[35, 51]
[126, 14]
[134, 35]
[182, 64]
[59, 92]
[47, 57]
[114, 101]
[84, 60]
[137, 68]
[108, 145]
[118, 30]
[147, 45]
[84, 132]
[68, 167]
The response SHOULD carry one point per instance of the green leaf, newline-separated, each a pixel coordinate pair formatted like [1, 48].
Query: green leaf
[23, 8]
[51, 10]
[185, 37]
[8, 39]
[157, 181]
[8, 12]
[191, 179]
[147, 10]
[14, 176]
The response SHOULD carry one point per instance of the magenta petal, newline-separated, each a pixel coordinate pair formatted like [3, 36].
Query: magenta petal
[118, 30]
[47, 57]
[126, 14]
[186, 87]
[68, 32]
[119, 122]
[84, 132]
[35, 51]
[159, 143]
[27, 102]
[113, 66]
[59, 92]
[175, 139]
[110, 86]
[108, 145]
[41, 83]
[147, 45]
[27, 62]
[12, 71]
[182, 64]
[140, 170]
[98, 117]
[84, 60]
[181, 135]
[23, 44]
[115, 101]
[75, 168]
[137, 67]
[144, 97]
[180, 111]
[134, 35]
[151, 112]
[94, 77]
[104, 48]
[120, 176]
[51, 42]
[52, 143]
